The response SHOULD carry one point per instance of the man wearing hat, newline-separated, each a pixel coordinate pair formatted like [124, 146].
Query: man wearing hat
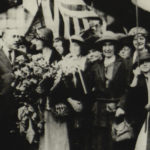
[138, 99]
[108, 84]
[94, 32]
[95, 27]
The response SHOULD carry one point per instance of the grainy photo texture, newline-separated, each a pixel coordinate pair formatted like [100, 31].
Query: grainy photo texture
[75, 74]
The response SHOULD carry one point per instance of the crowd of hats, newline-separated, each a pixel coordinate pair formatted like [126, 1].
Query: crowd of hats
[120, 39]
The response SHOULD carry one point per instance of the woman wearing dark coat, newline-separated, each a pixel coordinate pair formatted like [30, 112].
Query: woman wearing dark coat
[137, 105]
[108, 84]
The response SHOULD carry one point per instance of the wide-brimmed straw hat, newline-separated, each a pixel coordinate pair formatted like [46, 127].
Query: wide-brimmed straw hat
[107, 36]
[138, 30]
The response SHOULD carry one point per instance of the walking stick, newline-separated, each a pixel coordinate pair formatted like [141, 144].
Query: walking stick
[82, 81]
[137, 25]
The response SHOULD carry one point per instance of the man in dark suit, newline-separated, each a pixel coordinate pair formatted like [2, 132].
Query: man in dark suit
[7, 105]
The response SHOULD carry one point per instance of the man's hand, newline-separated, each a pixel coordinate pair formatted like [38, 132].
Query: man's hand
[119, 112]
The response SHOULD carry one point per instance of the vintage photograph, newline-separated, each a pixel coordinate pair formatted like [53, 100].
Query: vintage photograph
[75, 74]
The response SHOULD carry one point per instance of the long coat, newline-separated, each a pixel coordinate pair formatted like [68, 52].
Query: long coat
[102, 97]
[6, 78]
[117, 86]
[137, 98]
[8, 107]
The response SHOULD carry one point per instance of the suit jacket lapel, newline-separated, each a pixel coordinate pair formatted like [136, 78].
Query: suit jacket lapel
[5, 59]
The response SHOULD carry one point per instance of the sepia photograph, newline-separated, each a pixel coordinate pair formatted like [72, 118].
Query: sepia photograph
[75, 74]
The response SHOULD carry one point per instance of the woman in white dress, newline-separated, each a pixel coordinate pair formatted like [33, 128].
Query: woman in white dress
[55, 134]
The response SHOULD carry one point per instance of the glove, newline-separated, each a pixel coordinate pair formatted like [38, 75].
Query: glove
[119, 112]
[76, 105]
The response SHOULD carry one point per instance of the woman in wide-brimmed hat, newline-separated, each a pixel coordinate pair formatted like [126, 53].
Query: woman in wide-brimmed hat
[140, 36]
[77, 46]
[126, 48]
[138, 101]
[108, 78]
[77, 92]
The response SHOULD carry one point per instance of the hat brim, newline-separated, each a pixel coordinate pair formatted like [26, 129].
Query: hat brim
[132, 36]
[141, 60]
[144, 59]
[101, 42]
[126, 41]
[77, 41]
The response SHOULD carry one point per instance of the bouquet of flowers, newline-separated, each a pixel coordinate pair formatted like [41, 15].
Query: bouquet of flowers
[28, 72]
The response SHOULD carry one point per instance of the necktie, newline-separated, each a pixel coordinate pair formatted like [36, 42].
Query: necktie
[9, 56]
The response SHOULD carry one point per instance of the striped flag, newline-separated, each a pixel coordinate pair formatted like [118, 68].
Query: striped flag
[144, 4]
[66, 17]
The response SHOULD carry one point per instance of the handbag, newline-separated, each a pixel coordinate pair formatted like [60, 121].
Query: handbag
[122, 131]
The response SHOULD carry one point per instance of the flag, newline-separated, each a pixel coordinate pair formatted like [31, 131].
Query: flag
[66, 17]
[144, 4]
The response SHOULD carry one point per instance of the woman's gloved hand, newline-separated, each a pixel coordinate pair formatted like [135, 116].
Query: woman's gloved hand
[76, 104]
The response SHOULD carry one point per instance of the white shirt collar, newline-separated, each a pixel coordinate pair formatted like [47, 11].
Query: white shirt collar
[108, 61]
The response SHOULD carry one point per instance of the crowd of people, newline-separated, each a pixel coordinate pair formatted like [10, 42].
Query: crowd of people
[88, 92]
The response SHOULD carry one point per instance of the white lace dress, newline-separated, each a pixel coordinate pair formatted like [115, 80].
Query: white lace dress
[55, 134]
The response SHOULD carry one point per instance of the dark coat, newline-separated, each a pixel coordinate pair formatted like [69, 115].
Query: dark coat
[137, 98]
[118, 84]
[5, 73]
[103, 95]
[6, 104]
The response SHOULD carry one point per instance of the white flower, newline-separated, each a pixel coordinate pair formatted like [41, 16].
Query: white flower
[37, 70]
[36, 57]
[31, 64]
[20, 59]
[22, 87]
[26, 82]
[33, 81]
[12, 84]
[21, 112]
[18, 73]
[42, 63]
[70, 65]
[25, 70]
